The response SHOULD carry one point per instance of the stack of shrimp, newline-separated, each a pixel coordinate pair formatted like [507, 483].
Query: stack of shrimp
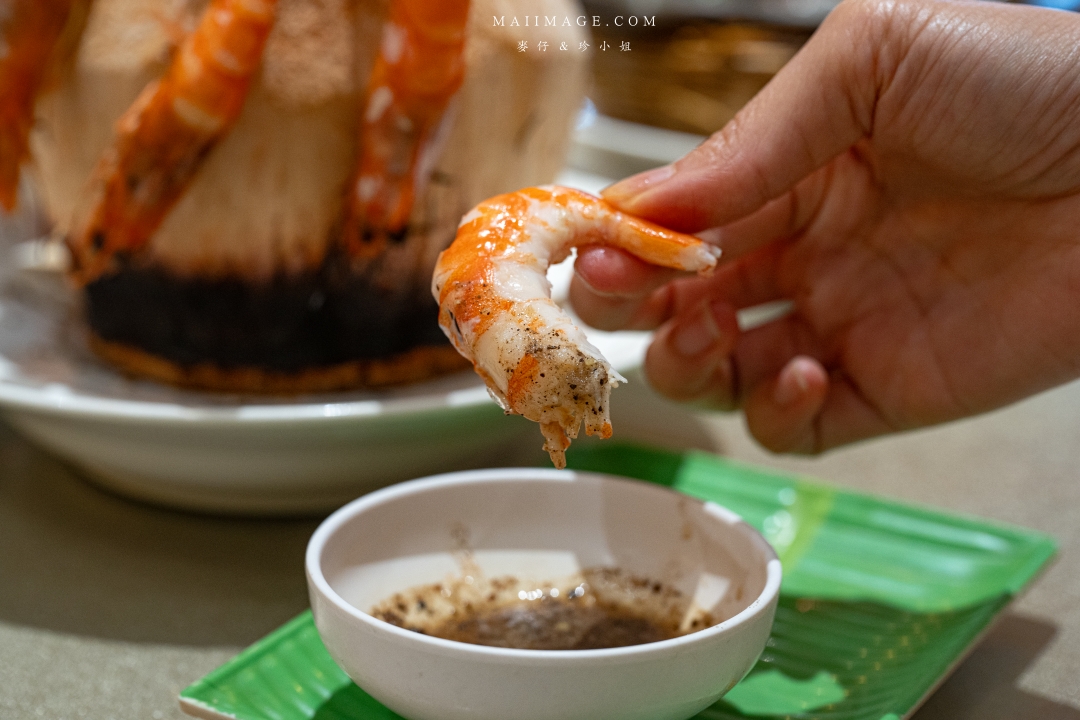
[254, 191]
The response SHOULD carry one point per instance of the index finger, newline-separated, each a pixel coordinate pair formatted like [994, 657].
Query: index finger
[819, 105]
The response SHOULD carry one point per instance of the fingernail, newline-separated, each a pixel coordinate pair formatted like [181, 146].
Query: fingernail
[713, 236]
[696, 334]
[626, 190]
[791, 385]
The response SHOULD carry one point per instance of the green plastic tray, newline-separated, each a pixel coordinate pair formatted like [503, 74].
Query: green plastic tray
[879, 602]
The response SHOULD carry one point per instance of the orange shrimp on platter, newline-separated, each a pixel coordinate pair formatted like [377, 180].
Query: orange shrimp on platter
[254, 192]
[30, 31]
[495, 303]
[164, 136]
[418, 71]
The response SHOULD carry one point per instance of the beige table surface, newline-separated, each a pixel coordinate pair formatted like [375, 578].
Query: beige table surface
[109, 608]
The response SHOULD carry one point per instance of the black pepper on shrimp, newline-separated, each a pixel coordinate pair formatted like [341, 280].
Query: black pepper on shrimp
[496, 307]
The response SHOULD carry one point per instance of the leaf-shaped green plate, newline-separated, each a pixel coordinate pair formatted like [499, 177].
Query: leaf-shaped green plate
[859, 634]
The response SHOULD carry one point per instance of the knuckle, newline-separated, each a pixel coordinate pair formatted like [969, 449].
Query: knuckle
[862, 12]
[715, 150]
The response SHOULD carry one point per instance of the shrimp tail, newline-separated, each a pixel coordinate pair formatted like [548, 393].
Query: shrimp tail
[163, 138]
[30, 32]
[495, 303]
[556, 443]
[418, 71]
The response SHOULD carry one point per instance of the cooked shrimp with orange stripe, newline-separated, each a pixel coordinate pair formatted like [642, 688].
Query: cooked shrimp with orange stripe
[165, 135]
[420, 67]
[495, 302]
[29, 33]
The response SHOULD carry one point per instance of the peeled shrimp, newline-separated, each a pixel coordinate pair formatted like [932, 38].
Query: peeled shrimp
[495, 303]
[163, 137]
[420, 66]
[29, 33]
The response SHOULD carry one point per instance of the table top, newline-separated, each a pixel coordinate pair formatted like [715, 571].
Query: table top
[109, 608]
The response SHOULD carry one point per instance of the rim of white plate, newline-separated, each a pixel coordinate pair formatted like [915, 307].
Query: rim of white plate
[623, 350]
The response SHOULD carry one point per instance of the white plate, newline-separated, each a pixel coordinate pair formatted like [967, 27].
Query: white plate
[238, 454]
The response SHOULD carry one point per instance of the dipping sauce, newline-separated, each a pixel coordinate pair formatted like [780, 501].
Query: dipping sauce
[593, 609]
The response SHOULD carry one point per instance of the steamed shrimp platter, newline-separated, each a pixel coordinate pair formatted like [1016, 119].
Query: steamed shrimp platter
[253, 192]
[495, 303]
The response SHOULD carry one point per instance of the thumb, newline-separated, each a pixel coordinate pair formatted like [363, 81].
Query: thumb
[815, 108]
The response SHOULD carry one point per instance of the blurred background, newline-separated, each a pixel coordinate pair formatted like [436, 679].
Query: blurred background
[700, 63]
[703, 59]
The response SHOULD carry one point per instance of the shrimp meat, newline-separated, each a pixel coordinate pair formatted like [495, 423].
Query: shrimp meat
[495, 303]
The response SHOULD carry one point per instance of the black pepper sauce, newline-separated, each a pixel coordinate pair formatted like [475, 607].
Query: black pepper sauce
[598, 608]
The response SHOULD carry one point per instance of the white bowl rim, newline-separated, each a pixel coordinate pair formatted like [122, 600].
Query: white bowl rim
[346, 513]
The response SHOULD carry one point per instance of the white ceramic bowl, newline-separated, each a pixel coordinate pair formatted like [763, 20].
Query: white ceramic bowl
[539, 523]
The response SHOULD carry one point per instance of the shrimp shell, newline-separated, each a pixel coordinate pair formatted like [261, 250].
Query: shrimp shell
[163, 137]
[29, 33]
[419, 69]
[495, 303]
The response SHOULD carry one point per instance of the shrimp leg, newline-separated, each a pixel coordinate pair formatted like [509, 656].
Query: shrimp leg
[29, 33]
[495, 303]
[419, 69]
[163, 137]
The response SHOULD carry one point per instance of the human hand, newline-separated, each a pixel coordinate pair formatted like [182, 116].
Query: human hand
[911, 182]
